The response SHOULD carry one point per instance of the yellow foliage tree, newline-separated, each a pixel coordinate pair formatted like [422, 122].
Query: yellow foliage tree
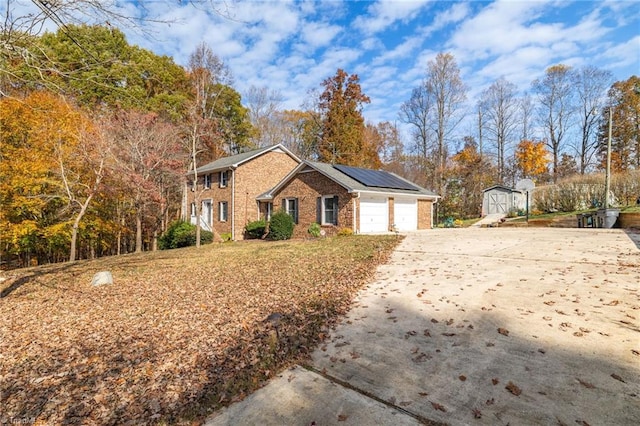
[532, 159]
[47, 173]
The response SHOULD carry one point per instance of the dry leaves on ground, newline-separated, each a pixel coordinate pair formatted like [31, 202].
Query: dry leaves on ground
[180, 333]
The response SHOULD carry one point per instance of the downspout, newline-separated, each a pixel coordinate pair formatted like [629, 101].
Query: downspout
[233, 204]
[355, 214]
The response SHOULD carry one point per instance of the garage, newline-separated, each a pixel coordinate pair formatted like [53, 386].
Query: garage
[405, 214]
[374, 214]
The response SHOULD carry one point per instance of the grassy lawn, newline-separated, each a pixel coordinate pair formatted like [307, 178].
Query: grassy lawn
[179, 334]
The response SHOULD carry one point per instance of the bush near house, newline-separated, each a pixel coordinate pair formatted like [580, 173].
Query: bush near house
[256, 229]
[281, 226]
[182, 234]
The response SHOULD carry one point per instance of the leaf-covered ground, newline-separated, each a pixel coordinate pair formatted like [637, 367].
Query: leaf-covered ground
[179, 334]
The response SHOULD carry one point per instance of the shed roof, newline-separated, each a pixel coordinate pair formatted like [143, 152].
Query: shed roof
[503, 187]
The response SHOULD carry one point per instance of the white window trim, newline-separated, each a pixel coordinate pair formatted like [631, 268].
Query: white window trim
[289, 212]
[269, 210]
[207, 219]
[322, 209]
[193, 209]
[207, 181]
[220, 210]
[223, 179]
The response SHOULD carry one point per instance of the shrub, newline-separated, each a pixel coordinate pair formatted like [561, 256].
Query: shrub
[226, 236]
[314, 230]
[345, 232]
[281, 226]
[256, 229]
[182, 234]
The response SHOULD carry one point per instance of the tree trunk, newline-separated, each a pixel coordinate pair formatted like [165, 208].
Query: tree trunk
[139, 230]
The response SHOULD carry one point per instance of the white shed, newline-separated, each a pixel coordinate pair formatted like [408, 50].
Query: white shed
[502, 199]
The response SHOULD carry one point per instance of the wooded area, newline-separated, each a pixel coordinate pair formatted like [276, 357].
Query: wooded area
[98, 136]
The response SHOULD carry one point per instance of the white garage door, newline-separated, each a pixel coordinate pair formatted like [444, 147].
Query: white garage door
[374, 214]
[405, 214]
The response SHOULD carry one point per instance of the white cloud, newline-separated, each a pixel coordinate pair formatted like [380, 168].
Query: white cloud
[318, 34]
[385, 13]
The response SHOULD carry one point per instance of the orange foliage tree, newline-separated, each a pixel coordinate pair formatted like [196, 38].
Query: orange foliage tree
[532, 159]
[51, 169]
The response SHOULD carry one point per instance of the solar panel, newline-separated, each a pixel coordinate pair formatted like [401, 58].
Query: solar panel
[376, 178]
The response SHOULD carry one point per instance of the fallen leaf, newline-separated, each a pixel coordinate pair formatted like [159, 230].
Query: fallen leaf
[438, 407]
[342, 417]
[618, 378]
[495, 381]
[586, 384]
[511, 387]
[462, 377]
[477, 414]
[503, 331]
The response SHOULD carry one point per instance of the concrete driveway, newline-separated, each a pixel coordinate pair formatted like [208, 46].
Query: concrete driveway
[486, 326]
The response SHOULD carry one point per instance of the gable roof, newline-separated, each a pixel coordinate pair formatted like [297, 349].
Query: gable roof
[347, 180]
[233, 161]
[502, 187]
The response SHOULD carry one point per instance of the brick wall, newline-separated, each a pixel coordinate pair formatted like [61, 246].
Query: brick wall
[307, 187]
[254, 178]
[248, 181]
[425, 208]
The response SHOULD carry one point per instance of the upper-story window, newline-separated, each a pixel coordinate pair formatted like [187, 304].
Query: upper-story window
[207, 181]
[224, 178]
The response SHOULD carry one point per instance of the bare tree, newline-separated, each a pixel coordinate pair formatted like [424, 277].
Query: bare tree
[416, 113]
[448, 92]
[556, 107]
[264, 105]
[500, 107]
[209, 76]
[526, 115]
[590, 84]
[23, 21]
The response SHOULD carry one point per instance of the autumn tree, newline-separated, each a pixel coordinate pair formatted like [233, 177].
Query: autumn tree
[54, 161]
[340, 104]
[148, 157]
[556, 106]
[624, 101]
[532, 159]
[264, 107]
[500, 107]
[590, 84]
[469, 174]
[449, 93]
[301, 132]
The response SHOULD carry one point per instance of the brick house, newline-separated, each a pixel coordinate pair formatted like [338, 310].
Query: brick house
[336, 197]
[229, 186]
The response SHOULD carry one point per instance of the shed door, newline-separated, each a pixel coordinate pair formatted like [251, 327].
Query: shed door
[405, 214]
[497, 202]
[374, 214]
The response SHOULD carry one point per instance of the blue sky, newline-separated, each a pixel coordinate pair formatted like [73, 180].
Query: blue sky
[291, 46]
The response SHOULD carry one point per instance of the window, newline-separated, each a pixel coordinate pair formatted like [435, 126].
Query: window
[223, 209]
[224, 178]
[193, 209]
[269, 211]
[207, 212]
[329, 210]
[207, 181]
[290, 205]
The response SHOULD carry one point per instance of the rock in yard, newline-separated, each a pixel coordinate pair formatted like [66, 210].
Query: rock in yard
[102, 278]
